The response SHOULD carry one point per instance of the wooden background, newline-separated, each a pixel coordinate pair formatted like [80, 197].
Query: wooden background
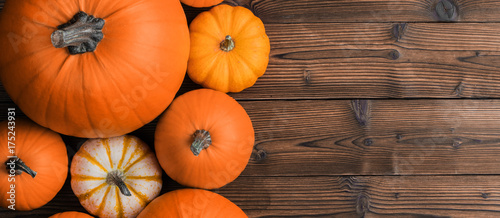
[369, 108]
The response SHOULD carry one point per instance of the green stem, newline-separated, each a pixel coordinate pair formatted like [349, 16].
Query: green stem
[117, 178]
[227, 44]
[19, 166]
[202, 140]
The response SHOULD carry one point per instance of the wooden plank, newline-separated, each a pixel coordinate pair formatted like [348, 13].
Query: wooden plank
[380, 137]
[348, 11]
[377, 60]
[376, 137]
[330, 196]
[392, 137]
[382, 60]
[379, 196]
[305, 11]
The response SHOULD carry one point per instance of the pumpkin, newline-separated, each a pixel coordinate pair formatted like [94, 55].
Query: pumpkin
[201, 3]
[229, 49]
[71, 214]
[36, 164]
[93, 69]
[204, 139]
[115, 177]
[192, 203]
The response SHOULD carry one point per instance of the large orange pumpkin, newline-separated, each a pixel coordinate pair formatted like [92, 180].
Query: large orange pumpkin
[204, 139]
[192, 203]
[71, 214]
[124, 63]
[229, 49]
[115, 177]
[201, 3]
[37, 169]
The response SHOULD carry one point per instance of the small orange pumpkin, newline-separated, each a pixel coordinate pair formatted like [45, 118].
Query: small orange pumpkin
[71, 214]
[115, 177]
[201, 3]
[192, 203]
[204, 139]
[229, 49]
[39, 169]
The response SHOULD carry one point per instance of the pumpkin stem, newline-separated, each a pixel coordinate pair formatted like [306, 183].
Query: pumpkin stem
[202, 140]
[81, 34]
[227, 44]
[117, 178]
[16, 164]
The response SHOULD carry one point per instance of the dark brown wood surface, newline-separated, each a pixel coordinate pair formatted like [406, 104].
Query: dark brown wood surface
[369, 108]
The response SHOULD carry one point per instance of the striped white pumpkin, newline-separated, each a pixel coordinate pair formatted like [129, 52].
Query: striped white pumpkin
[96, 167]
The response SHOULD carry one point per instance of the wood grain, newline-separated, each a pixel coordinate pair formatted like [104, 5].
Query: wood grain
[359, 196]
[348, 11]
[381, 60]
[383, 137]
[391, 137]
[378, 60]
[331, 196]
[331, 141]
[370, 137]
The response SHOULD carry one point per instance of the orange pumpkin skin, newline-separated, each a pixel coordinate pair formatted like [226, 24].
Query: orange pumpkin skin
[227, 70]
[71, 214]
[192, 203]
[44, 152]
[201, 3]
[230, 129]
[126, 157]
[130, 79]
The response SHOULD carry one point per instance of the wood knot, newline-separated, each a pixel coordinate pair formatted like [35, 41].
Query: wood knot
[362, 111]
[307, 77]
[368, 142]
[446, 10]
[362, 205]
[485, 195]
[398, 30]
[259, 155]
[459, 89]
[457, 143]
[394, 54]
